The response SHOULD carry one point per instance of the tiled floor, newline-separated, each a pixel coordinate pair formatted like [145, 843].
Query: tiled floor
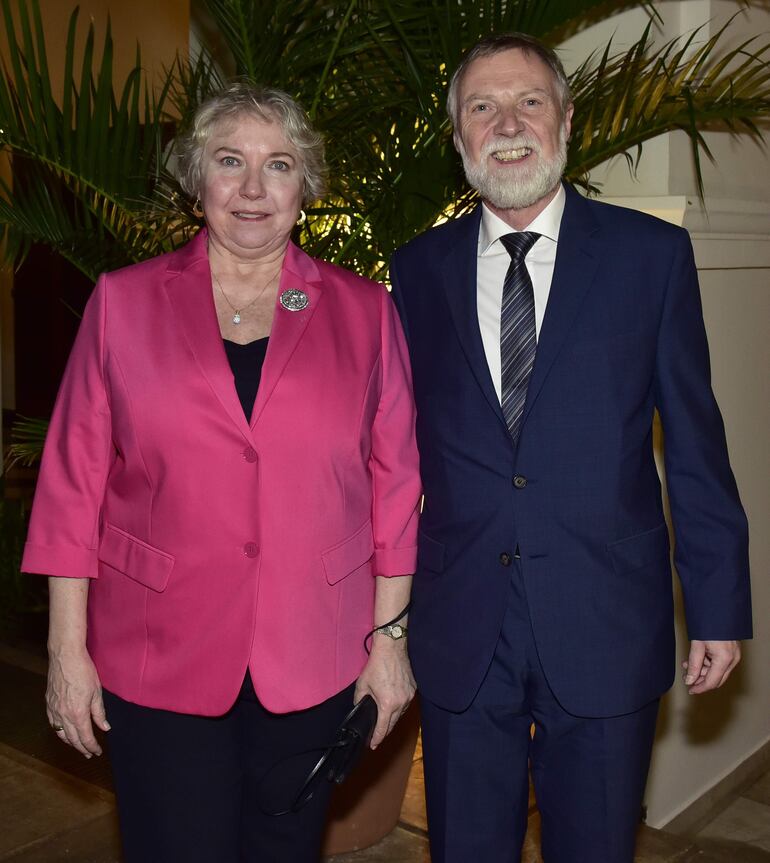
[52, 810]
[738, 834]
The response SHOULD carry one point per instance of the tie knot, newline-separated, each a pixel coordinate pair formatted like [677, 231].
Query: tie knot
[517, 245]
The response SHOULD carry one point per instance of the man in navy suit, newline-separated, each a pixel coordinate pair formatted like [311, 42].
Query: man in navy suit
[544, 332]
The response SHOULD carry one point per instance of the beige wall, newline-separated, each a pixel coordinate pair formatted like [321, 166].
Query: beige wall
[160, 27]
[701, 740]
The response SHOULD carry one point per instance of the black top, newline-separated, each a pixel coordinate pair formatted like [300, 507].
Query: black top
[246, 362]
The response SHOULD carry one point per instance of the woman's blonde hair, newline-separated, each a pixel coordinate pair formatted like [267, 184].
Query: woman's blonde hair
[264, 103]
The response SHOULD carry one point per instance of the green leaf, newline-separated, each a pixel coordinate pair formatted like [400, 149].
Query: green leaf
[27, 440]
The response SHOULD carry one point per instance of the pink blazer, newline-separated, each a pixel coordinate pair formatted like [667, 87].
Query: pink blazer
[212, 544]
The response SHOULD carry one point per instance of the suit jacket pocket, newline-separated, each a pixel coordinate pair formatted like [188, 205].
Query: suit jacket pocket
[350, 554]
[639, 550]
[430, 553]
[135, 558]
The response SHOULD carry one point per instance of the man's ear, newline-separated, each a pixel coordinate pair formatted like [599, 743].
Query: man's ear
[569, 111]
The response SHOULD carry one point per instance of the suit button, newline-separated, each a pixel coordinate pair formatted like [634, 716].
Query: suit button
[505, 559]
[250, 454]
[519, 481]
[251, 549]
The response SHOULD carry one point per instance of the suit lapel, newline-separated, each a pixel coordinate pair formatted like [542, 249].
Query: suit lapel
[577, 259]
[299, 272]
[460, 270]
[189, 290]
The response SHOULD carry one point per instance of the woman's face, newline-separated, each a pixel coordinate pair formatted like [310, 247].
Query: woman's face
[251, 186]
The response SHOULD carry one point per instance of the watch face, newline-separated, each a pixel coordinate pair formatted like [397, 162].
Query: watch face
[397, 631]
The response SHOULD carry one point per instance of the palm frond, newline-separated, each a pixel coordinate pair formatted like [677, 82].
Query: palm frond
[556, 20]
[282, 44]
[192, 80]
[91, 161]
[38, 210]
[623, 100]
[27, 440]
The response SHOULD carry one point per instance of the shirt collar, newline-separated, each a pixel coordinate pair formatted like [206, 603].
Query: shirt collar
[546, 223]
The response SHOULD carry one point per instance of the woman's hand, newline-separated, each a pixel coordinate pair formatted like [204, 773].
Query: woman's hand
[74, 694]
[387, 677]
[74, 700]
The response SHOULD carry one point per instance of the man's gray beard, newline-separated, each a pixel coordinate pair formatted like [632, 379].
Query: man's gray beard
[516, 193]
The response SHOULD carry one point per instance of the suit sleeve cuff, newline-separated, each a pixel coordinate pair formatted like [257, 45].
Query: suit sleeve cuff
[395, 561]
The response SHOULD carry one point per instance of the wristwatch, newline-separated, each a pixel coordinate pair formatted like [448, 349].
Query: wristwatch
[393, 630]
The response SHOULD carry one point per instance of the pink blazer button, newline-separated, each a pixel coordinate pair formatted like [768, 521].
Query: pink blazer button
[251, 549]
[250, 454]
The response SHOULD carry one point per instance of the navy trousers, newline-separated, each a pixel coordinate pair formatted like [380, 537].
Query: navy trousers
[197, 789]
[589, 774]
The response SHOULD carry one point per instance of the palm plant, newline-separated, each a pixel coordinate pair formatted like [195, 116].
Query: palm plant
[92, 177]
[81, 168]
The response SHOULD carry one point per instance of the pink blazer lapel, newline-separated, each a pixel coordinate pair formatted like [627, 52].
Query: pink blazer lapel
[300, 273]
[188, 286]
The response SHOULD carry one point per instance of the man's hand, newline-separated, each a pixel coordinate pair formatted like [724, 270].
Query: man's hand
[710, 664]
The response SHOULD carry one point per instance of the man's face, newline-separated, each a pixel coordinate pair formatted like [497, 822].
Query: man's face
[511, 129]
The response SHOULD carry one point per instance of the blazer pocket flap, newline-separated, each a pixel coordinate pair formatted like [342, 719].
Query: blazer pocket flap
[346, 556]
[135, 558]
[640, 550]
[430, 553]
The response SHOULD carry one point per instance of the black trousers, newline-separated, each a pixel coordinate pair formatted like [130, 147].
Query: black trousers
[196, 788]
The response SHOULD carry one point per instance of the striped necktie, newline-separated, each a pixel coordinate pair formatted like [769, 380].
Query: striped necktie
[518, 338]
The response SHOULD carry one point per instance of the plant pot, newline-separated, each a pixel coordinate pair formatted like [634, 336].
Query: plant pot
[367, 806]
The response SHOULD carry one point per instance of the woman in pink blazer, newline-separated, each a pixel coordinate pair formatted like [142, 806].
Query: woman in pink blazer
[220, 542]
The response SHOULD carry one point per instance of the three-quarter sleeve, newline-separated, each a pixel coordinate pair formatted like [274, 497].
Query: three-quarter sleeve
[64, 525]
[394, 461]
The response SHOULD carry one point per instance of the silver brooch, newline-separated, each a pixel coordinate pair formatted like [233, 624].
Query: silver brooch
[294, 300]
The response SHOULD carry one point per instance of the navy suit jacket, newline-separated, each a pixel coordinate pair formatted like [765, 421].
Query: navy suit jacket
[623, 334]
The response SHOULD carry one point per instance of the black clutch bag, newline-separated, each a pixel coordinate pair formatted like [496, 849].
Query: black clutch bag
[351, 740]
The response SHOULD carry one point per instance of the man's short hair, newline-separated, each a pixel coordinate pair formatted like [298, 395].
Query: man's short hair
[491, 45]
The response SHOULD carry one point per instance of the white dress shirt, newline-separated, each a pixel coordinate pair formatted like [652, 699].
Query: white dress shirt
[492, 264]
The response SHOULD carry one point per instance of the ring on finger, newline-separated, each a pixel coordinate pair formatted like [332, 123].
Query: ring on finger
[57, 728]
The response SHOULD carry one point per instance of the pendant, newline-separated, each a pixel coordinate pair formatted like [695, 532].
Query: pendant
[237, 318]
[294, 300]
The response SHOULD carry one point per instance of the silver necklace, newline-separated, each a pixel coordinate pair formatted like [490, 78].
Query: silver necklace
[237, 311]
